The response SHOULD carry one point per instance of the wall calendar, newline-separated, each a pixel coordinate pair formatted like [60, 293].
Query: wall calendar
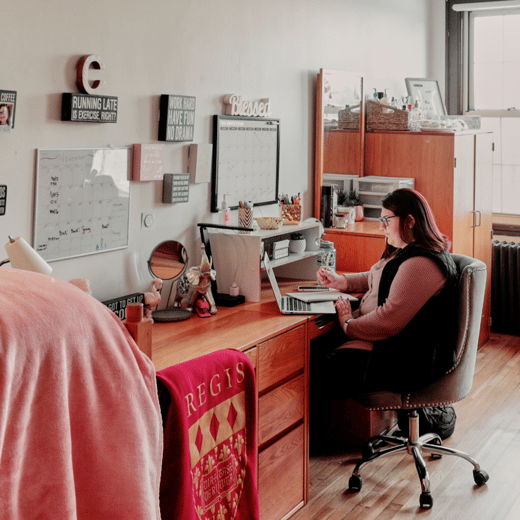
[82, 201]
[246, 158]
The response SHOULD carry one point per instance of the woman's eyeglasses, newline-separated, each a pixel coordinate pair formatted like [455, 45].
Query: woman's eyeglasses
[384, 220]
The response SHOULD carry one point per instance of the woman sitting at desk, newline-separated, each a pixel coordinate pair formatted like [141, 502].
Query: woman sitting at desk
[402, 337]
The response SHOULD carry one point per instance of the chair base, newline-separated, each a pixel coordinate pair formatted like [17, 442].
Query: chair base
[415, 446]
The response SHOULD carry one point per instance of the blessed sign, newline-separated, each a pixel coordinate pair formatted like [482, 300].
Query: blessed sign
[235, 106]
[177, 118]
[86, 108]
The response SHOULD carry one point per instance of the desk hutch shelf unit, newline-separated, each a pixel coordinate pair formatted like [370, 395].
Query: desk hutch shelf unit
[237, 257]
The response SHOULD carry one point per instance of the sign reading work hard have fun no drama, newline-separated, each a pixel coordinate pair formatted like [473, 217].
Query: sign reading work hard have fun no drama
[177, 118]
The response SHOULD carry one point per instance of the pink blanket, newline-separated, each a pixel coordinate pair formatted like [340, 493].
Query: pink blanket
[80, 425]
[209, 466]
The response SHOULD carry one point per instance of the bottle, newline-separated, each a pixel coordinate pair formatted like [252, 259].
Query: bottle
[327, 255]
[415, 116]
[226, 212]
[140, 328]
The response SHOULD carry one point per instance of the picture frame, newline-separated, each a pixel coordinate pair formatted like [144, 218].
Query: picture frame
[8, 106]
[429, 94]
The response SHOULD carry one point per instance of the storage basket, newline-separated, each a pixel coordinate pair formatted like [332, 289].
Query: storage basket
[269, 222]
[348, 119]
[291, 213]
[385, 117]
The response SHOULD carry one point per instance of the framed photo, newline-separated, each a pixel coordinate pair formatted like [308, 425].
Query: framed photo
[7, 109]
[428, 93]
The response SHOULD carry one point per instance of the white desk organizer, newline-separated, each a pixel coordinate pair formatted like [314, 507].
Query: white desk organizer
[237, 257]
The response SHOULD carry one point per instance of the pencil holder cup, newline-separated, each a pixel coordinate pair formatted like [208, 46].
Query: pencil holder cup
[245, 218]
[291, 213]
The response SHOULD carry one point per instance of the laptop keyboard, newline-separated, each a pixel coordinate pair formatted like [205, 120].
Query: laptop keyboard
[293, 304]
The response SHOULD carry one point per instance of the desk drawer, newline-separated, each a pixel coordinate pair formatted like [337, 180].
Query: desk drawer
[281, 408]
[281, 476]
[280, 357]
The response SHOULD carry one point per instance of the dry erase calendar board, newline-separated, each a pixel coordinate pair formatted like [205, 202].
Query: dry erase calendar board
[82, 201]
[246, 158]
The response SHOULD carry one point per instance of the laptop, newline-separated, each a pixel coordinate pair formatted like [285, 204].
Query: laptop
[289, 305]
[321, 296]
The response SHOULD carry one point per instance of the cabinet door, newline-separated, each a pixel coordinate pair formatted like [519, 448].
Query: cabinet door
[484, 207]
[463, 196]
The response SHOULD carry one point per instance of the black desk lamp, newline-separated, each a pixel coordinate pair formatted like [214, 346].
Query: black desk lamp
[222, 299]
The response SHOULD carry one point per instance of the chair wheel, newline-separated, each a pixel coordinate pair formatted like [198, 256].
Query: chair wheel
[436, 456]
[367, 452]
[480, 477]
[355, 483]
[426, 500]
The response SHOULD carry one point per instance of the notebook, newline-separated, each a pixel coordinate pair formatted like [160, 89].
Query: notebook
[289, 305]
[321, 296]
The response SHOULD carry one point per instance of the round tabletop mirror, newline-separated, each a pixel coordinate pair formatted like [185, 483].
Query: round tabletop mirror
[168, 262]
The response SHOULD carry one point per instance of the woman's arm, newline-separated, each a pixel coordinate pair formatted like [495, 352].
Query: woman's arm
[353, 282]
[416, 281]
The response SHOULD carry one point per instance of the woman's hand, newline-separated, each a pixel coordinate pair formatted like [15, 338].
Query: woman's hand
[344, 311]
[330, 278]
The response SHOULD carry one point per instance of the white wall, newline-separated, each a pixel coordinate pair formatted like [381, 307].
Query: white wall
[201, 48]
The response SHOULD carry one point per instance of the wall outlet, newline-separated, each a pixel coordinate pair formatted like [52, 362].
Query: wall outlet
[147, 221]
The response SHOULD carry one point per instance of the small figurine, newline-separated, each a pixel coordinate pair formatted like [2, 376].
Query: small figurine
[151, 299]
[200, 277]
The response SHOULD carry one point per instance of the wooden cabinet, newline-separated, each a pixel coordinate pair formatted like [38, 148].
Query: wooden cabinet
[454, 172]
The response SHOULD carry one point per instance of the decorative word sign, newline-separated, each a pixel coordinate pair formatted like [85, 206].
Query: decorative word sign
[7, 109]
[3, 198]
[85, 108]
[176, 187]
[118, 305]
[148, 162]
[200, 161]
[236, 107]
[176, 118]
[84, 74]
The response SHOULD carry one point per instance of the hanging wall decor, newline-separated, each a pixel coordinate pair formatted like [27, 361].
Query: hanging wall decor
[7, 110]
[200, 162]
[176, 118]
[235, 106]
[176, 187]
[89, 107]
[3, 198]
[148, 162]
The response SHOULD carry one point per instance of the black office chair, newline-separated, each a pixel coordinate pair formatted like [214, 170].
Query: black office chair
[453, 386]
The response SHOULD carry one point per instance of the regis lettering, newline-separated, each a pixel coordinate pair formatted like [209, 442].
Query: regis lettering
[227, 379]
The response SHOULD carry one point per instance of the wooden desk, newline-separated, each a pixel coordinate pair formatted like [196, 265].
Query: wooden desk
[279, 347]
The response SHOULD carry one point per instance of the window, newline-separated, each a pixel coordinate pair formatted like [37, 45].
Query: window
[486, 39]
[494, 61]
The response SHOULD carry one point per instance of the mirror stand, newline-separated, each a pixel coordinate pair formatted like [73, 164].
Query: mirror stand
[168, 262]
[171, 315]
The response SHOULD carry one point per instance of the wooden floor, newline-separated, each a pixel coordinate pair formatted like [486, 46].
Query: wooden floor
[488, 429]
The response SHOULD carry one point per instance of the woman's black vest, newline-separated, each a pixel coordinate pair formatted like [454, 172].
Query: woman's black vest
[426, 348]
